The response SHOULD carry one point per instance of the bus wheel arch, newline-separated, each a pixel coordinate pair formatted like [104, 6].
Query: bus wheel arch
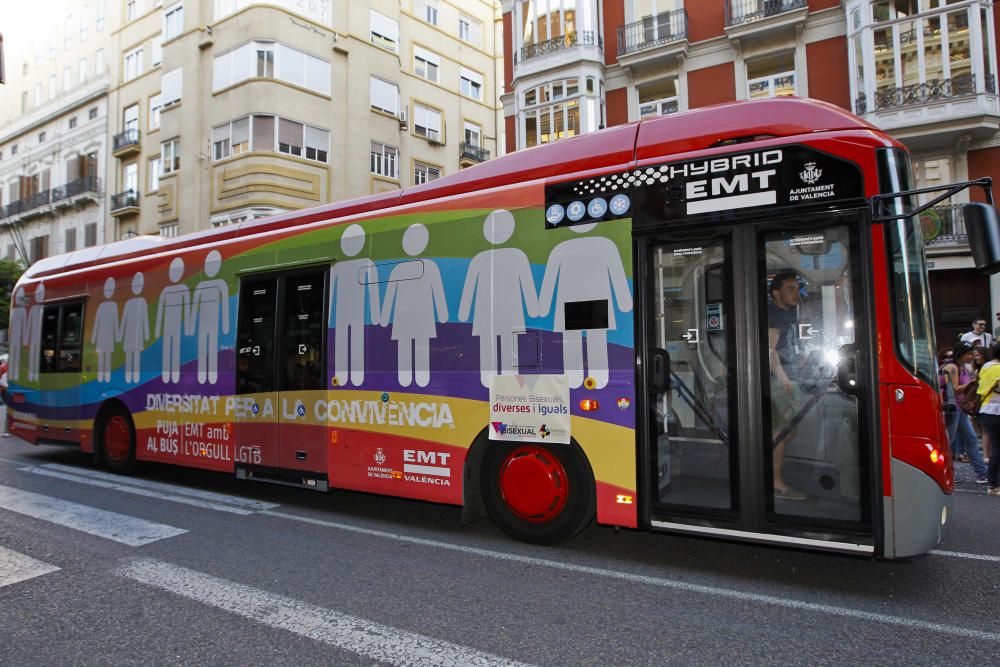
[115, 437]
[538, 492]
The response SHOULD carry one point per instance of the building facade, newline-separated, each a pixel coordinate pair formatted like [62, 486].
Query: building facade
[924, 70]
[225, 110]
[54, 132]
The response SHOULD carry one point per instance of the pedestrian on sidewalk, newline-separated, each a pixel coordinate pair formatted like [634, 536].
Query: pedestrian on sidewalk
[961, 436]
[979, 335]
[980, 357]
[989, 413]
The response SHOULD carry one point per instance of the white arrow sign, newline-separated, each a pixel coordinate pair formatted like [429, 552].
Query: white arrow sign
[806, 331]
[691, 336]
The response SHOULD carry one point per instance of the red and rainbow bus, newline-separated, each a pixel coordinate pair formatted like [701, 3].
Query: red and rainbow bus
[712, 323]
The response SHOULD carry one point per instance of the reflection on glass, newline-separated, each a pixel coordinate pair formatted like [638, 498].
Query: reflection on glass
[814, 456]
[693, 441]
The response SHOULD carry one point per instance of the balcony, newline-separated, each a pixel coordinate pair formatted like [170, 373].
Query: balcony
[944, 226]
[125, 203]
[125, 143]
[568, 41]
[653, 39]
[764, 18]
[472, 154]
[88, 187]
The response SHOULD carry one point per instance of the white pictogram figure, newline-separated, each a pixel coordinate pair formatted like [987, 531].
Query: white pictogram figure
[172, 311]
[33, 334]
[586, 269]
[417, 293]
[134, 330]
[18, 320]
[349, 280]
[209, 304]
[501, 284]
[105, 331]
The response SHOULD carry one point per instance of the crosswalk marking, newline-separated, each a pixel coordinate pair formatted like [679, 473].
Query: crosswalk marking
[150, 489]
[121, 528]
[16, 567]
[350, 633]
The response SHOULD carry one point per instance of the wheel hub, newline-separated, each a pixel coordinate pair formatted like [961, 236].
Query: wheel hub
[116, 438]
[534, 484]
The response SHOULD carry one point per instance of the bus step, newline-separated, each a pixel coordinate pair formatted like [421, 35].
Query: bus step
[283, 477]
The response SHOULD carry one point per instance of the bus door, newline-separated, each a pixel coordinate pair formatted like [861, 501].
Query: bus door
[60, 367]
[280, 372]
[758, 419]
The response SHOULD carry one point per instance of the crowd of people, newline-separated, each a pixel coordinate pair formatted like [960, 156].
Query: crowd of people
[969, 379]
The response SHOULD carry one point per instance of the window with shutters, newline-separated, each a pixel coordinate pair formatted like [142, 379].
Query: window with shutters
[426, 10]
[260, 59]
[289, 137]
[170, 156]
[427, 122]
[426, 64]
[69, 242]
[423, 173]
[90, 234]
[384, 160]
[133, 64]
[154, 111]
[257, 133]
[173, 21]
[471, 84]
[171, 86]
[470, 30]
[154, 174]
[384, 96]
[384, 31]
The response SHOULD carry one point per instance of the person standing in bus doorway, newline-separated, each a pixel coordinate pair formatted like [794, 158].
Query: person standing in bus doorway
[585, 269]
[417, 293]
[979, 335]
[349, 281]
[785, 362]
[18, 319]
[33, 333]
[500, 282]
[172, 311]
[134, 330]
[105, 331]
[209, 304]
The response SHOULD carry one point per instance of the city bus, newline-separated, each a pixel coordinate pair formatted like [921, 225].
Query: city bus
[586, 330]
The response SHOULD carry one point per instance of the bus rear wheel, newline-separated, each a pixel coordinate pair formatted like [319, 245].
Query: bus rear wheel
[536, 492]
[117, 434]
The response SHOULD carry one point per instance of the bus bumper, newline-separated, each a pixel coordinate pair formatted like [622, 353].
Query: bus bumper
[916, 514]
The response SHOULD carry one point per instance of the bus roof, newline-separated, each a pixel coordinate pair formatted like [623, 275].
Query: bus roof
[678, 133]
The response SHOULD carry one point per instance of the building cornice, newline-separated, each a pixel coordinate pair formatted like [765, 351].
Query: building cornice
[25, 125]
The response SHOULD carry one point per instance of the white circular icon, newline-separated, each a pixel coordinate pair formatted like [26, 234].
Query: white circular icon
[620, 204]
[555, 214]
[597, 208]
[576, 211]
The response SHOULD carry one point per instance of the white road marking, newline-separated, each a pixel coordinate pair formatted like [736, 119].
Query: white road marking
[121, 528]
[673, 584]
[15, 567]
[130, 487]
[350, 633]
[961, 554]
[211, 496]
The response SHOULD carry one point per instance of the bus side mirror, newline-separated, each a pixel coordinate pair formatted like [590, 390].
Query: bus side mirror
[983, 227]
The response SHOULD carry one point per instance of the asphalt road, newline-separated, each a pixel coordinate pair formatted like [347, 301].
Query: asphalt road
[173, 566]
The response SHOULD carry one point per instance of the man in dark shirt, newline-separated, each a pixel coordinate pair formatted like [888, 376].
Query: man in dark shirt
[783, 352]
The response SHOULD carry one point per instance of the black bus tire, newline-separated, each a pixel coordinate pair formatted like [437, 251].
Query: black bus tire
[537, 492]
[117, 439]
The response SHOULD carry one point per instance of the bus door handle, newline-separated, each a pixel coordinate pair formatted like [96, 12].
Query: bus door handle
[659, 380]
[847, 369]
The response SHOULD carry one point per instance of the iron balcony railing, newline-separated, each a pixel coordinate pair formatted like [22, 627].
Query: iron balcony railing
[652, 31]
[567, 41]
[739, 12]
[125, 199]
[74, 188]
[125, 139]
[944, 225]
[474, 152]
[37, 200]
[12, 208]
[916, 94]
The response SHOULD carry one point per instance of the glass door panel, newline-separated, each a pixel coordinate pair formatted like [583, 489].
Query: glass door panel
[813, 460]
[694, 452]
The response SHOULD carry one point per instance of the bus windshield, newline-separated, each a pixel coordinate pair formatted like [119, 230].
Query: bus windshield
[911, 297]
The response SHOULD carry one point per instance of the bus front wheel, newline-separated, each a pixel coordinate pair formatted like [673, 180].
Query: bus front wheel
[117, 434]
[538, 493]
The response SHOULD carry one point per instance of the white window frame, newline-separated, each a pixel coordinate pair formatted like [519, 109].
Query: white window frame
[132, 64]
[426, 10]
[98, 62]
[170, 230]
[427, 122]
[173, 21]
[422, 172]
[384, 31]
[154, 173]
[170, 157]
[472, 29]
[156, 52]
[379, 91]
[286, 64]
[468, 127]
[470, 84]
[171, 87]
[131, 9]
[422, 62]
[770, 81]
[83, 70]
[154, 111]
[384, 160]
